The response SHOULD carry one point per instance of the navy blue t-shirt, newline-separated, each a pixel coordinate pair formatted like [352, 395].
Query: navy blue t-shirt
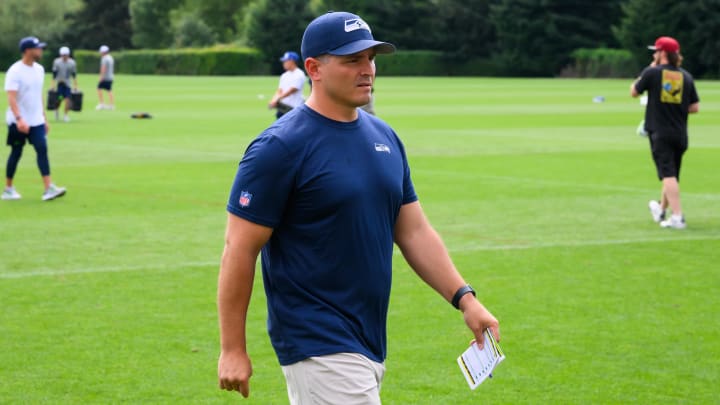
[332, 192]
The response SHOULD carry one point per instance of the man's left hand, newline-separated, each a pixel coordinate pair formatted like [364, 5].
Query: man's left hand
[478, 318]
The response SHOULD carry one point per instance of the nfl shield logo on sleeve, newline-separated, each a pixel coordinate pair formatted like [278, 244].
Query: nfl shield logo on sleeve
[245, 198]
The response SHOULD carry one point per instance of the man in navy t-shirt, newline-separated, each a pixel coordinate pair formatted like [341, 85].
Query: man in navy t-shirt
[323, 193]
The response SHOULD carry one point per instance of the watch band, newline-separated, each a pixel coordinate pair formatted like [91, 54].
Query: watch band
[460, 293]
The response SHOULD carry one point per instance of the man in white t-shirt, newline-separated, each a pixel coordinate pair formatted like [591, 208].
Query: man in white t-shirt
[290, 92]
[26, 119]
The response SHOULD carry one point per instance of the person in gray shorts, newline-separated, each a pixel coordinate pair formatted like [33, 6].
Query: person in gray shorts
[107, 74]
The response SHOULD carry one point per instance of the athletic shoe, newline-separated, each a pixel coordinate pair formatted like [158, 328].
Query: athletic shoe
[110, 107]
[656, 211]
[66, 119]
[100, 107]
[675, 222]
[10, 194]
[53, 192]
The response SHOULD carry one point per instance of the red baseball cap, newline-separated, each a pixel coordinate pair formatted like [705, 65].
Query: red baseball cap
[667, 44]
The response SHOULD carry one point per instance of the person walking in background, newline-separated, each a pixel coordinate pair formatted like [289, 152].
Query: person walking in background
[671, 97]
[26, 119]
[324, 193]
[290, 91]
[107, 75]
[64, 70]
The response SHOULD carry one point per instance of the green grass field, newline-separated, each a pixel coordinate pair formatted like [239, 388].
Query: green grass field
[108, 295]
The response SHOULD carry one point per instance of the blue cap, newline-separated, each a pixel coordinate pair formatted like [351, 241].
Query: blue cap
[30, 43]
[340, 33]
[290, 55]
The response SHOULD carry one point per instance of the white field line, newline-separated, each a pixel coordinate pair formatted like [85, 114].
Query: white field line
[461, 249]
[110, 269]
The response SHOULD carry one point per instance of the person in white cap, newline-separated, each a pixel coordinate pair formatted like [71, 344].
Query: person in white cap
[64, 70]
[26, 119]
[107, 75]
[324, 193]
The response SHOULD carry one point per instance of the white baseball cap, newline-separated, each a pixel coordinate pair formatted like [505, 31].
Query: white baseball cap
[64, 51]
[104, 49]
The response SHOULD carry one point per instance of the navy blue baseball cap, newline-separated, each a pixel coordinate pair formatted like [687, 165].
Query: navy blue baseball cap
[30, 43]
[290, 55]
[340, 33]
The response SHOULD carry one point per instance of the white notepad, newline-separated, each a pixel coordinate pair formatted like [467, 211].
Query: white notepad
[478, 364]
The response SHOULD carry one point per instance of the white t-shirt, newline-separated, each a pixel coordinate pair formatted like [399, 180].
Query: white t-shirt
[293, 79]
[28, 82]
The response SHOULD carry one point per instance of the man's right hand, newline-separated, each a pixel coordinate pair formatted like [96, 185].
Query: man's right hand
[23, 126]
[234, 372]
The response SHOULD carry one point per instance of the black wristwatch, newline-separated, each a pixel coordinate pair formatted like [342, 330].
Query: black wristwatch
[460, 293]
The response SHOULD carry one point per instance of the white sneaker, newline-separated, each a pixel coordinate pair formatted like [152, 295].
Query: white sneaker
[100, 107]
[10, 194]
[53, 192]
[656, 211]
[110, 107]
[675, 222]
[66, 119]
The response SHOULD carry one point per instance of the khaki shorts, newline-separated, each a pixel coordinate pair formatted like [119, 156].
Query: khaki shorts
[342, 378]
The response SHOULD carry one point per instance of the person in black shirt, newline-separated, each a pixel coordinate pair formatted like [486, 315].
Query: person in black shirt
[671, 97]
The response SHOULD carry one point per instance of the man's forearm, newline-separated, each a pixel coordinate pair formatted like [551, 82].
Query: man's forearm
[287, 93]
[235, 283]
[12, 102]
[425, 252]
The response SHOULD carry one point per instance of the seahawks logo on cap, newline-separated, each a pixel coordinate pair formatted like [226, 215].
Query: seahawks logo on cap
[356, 24]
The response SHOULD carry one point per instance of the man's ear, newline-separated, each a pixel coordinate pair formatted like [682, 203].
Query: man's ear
[312, 68]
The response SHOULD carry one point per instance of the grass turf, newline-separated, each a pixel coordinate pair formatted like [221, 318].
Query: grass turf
[108, 295]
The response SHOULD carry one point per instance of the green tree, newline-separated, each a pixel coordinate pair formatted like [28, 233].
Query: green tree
[150, 19]
[192, 31]
[275, 26]
[221, 16]
[696, 25]
[704, 46]
[536, 38]
[466, 29]
[407, 24]
[47, 21]
[100, 22]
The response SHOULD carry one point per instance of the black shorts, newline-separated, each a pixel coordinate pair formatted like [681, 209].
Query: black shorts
[105, 85]
[667, 152]
[36, 136]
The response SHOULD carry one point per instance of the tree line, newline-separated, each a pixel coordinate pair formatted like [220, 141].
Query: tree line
[520, 37]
